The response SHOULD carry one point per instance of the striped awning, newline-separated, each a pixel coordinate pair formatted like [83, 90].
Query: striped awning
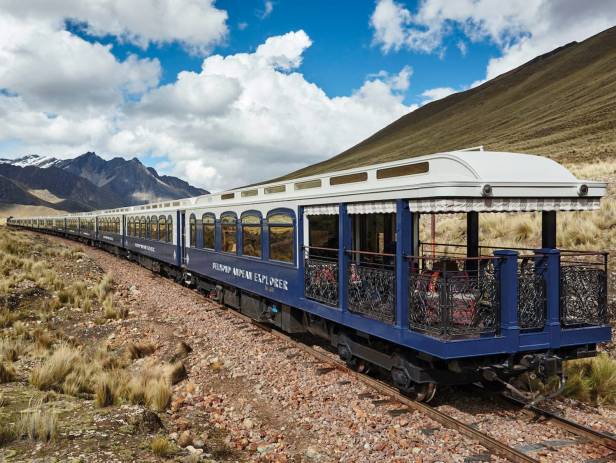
[374, 207]
[323, 209]
[503, 204]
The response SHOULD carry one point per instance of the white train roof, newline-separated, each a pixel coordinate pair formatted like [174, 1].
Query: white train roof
[452, 181]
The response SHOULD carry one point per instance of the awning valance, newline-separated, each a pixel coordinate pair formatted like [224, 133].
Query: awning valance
[323, 209]
[503, 205]
[374, 207]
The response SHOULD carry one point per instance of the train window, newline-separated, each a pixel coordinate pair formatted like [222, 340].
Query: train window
[154, 227]
[281, 233]
[117, 225]
[227, 196]
[229, 233]
[411, 169]
[169, 229]
[209, 231]
[251, 235]
[142, 227]
[248, 193]
[162, 228]
[316, 183]
[193, 231]
[275, 189]
[349, 178]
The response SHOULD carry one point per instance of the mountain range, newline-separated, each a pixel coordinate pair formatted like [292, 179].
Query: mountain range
[84, 183]
[561, 104]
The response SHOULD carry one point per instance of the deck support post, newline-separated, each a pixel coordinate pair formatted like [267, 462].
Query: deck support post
[344, 245]
[552, 293]
[404, 247]
[472, 239]
[548, 229]
[507, 274]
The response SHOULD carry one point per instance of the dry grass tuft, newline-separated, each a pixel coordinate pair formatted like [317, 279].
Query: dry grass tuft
[39, 424]
[7, 373]
[161, 446]
[592, 380]
[157, 394]
[182, 349]
[55, 369]
[142, 349]
[7, 318]
[112, 311]
[104, 393]
[176, 372]
[7, 435]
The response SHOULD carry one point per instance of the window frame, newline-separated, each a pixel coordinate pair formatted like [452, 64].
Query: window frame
[154, 228]
[162, 225]
[223, 216]
[259, 216]
[293, 225]
[208, 215]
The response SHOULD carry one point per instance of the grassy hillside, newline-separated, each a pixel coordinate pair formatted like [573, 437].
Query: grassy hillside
[561, 104]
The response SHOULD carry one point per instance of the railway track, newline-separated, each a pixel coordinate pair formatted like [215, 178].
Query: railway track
[493, 445]
[496, 447]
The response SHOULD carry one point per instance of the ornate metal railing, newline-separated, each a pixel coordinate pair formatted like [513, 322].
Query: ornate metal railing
[583, 289]
[453, 296]
[321, 275]
[532, 308]
[371, 280]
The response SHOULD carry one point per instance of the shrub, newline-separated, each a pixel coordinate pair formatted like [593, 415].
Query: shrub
[142, 349]
[104, 287]
[7, 372]
[38, 425]
[161, 446]
[20, 328]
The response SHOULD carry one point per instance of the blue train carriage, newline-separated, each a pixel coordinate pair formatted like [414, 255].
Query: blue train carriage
[110, 230]
[152, 236]
[339, 256]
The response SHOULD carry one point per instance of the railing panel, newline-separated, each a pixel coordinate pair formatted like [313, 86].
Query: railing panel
[321, 276]
[583, 290]
[372, 290]
[454, 297]
[532, 311]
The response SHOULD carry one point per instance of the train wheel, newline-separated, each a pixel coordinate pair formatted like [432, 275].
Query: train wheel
[359, 365]
[425, 392]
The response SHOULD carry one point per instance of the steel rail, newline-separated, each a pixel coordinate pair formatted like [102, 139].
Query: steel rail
[496, 447]
[565, 423]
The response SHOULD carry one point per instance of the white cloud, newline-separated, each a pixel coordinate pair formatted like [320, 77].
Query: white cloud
[438, 93]
[462, 47]
[197, 24]
[268, 7]
[522, 29]
[242, 118]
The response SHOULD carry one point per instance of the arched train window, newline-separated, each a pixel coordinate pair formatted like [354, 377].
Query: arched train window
[229, 232]
[281, 236]
[209, 231]
[193, 230]
[251, 235]
[153, 228]
[162, 228]
[169, 229]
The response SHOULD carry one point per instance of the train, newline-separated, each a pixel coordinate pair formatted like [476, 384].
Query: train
[339, 256]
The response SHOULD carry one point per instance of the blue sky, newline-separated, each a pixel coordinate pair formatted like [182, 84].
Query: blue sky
[224, 93]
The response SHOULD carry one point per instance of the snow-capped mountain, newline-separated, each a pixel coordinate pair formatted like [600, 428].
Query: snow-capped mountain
[32, 160]
[85, 183]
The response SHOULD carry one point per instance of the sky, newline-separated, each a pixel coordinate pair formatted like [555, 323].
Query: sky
[226, 93]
